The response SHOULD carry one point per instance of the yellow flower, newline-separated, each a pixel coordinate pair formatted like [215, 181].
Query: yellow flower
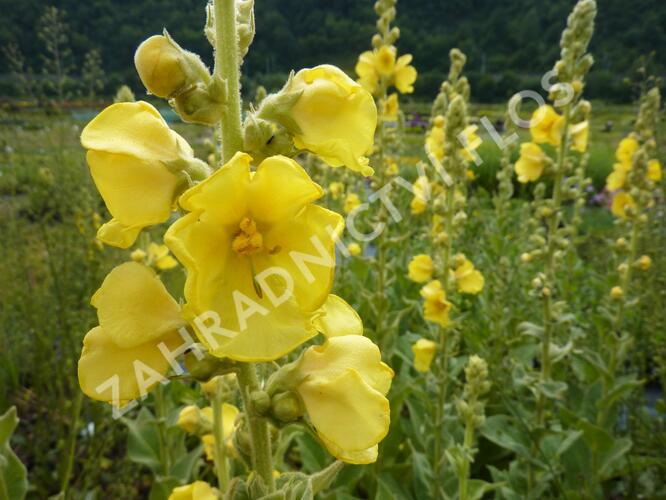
[421, 268]
[392, 168]
[472, 142]
[421, 189]
[351, 202]
[136, 162]
[354, 249]
[546, 126]
[435, 139]
[625, 152]
[390, 108]
[258, 253]
[654, 170]
[136, 314]
[159, 256]
[579, 136]
[160, 66]
[198, 490]
[336, 318]
[436, 308]
[336, 189]
[229, 416]
[621, 203]
[365, 69]
[343, 387]
[385, 60]
[469, 173]
[336, 117]
[468, 279]
[405, 74]
[424, 351]
[616, 178]
[530, 165]
[189, 418]
[616, 293]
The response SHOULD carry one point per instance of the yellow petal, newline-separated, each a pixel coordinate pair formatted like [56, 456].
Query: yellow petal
[366, 456]
[134, 307]
[424, 351]
[134, 129]
[117, 235]
[654, 170]
[338, 354]
[531, 163]
[136, 192]
[579, 134]
[338, 318]
[405, 74]
[337, 117]
[616, 179]
[546, 126]
[345, 410]
[104, 363]
[621, 203]
[166, 263]
[421, 268]
[198, 490]
[223, 195]
[280, 188]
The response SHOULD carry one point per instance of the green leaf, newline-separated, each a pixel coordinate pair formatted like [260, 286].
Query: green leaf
[552, 389]
[14, 483]
[184, 465]
[503, 431]
[162, 488]
[621, 387]
[143, 442]
[478, 488]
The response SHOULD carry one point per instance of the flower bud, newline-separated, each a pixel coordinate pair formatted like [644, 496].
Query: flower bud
[197, 105]
[160, 66]
[286, 407]
[644, 263]
[616, 293]
[525, 257]
[261, 402]
[622, 268]
[138, 255]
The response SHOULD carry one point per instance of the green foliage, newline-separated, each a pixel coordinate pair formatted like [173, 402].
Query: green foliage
[13, 477]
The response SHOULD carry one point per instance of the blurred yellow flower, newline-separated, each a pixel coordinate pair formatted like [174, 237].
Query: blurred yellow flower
[616, 178]
[365, 69]
[421, 189]
[138, 165]
[530, 165]
[392, 168]
[421, 268]
[136, 314]
[336, 189]
[385, 60]
[616, 293]
[351, 202]
[625, 152]
[472, 142]
[435, 139]
[424, 351]
[546, 126]
[654, 170]
[468, 279]
[579, 136]
[198, 490]
[436, 308]
[469, 173]
[405, 74]
[390, 108]
[344, 385]
[158, 255]
[229, 416]
[138, 255]
[336, 117]
[622, 202]
[189, 418]
[240, 228]
[354, 249]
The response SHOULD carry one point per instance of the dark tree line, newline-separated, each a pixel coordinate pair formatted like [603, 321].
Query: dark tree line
[509, 43]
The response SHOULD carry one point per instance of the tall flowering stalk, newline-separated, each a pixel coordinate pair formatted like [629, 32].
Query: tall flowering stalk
[635, 179]
[445, 274]
[260, 260]
[379, 70]
[567, 132]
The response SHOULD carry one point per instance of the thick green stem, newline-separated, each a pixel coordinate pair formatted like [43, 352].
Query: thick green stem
[381, 217]
[262, 459]
[218, 433]
[463, 474]
[227, 68]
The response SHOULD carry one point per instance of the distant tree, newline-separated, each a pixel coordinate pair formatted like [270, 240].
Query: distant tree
[22, 74]
[92, 73]
[54, 34]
